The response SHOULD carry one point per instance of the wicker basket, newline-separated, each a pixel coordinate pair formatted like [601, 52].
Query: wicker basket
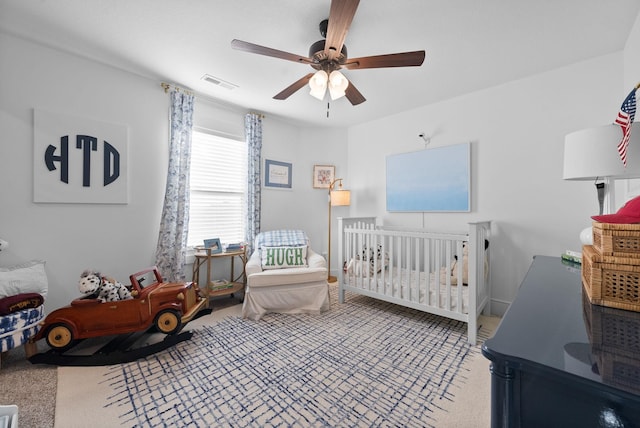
[617, 239]
[610, 280]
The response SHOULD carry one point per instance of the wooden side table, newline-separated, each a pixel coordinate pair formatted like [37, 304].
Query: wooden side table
[238, 282]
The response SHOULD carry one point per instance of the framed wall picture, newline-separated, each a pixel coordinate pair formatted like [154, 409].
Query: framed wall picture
[277, 174]
[79, 160]
[214, 244]
[323, 175]
[436, 180]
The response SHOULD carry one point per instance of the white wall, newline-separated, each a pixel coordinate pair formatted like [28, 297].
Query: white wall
[303, 207]
[517, 132]
[632, 58]
[625, 189]
[117, 239]
[121, 239]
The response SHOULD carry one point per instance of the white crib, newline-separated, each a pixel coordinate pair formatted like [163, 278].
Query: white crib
[418, 268]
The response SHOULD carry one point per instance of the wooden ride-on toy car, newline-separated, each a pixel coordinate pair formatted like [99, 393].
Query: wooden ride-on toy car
[166, 305]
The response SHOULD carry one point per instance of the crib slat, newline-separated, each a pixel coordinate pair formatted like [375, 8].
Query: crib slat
[426, 288]
[400, 254]
[459, 275]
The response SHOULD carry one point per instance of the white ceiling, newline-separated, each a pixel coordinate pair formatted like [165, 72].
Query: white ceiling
[470, 45]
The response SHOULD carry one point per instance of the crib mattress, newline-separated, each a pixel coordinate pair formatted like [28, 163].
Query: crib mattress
[412, 286]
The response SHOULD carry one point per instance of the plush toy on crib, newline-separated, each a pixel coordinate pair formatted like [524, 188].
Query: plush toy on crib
[377, 260]
[465, 266]
[102, 288]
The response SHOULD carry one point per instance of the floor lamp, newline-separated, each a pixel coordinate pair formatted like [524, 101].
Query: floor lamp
[337, 198]
[592, 154]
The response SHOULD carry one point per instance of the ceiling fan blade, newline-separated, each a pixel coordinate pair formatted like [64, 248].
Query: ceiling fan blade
[340, 16]
[261, 50]
[291, 89]
[404, 59]
[353, 95]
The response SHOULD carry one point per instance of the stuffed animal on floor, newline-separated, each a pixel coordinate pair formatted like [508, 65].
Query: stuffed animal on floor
[103, 288]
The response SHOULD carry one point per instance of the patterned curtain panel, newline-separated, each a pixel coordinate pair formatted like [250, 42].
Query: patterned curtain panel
[253, 134]
[172, 241]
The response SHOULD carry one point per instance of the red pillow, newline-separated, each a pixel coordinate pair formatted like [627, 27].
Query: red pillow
[19, 302]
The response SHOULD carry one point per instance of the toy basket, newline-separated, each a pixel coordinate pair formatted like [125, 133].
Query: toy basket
[611, 281]
[617, 239]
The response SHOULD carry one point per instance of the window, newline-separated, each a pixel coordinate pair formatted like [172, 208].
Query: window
[218, 188]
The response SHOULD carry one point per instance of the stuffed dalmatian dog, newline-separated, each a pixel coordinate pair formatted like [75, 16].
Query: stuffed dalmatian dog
[103, 288]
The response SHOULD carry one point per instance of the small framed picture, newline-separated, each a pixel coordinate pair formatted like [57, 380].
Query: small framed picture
[323, 175]
[277, 174]
[214, 244]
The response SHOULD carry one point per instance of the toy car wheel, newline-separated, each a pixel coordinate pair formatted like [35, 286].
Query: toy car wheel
[168, 322]
[59, 337]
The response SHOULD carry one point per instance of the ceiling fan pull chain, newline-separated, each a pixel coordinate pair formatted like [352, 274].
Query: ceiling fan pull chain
[327, 110]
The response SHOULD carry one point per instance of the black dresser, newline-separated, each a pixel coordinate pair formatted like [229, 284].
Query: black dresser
[558, 361]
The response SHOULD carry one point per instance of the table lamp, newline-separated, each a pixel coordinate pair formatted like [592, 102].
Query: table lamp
[592, 154]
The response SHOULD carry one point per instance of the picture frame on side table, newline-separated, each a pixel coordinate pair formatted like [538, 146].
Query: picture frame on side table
[323, 175]
[278, 174]
[214, 244]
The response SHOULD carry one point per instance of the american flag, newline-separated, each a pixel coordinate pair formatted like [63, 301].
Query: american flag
[625, 120]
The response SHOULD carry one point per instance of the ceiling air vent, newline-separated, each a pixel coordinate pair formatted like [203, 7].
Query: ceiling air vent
[219, 82]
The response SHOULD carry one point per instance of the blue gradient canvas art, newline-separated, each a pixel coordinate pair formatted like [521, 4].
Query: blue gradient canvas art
[435, 179]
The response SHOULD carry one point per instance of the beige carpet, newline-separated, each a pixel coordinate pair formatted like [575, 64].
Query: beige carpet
[471, 407]
[81, 390]
[31, 387]
[78, 385]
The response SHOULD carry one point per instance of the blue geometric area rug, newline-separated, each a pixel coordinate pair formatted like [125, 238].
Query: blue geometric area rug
[363, 363]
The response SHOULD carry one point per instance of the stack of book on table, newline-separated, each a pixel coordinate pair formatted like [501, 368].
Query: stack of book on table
[233, 247]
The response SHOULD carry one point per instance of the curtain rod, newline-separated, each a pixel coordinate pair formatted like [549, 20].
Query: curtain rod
[168, 86]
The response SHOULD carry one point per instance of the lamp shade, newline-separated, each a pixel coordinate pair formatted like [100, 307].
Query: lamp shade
[318, 84]
[593, 152]
[340, 198]
[337, 85]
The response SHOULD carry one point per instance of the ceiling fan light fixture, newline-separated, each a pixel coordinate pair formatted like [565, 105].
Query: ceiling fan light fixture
[330, 54]
[337, 84]
[336, 93]
[318, 84]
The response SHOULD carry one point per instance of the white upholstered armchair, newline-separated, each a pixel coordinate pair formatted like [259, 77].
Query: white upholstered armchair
[285, 275]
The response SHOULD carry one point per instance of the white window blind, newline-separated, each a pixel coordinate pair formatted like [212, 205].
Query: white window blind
[218, 187]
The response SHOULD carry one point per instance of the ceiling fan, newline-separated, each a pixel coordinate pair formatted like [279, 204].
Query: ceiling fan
[330, 55]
